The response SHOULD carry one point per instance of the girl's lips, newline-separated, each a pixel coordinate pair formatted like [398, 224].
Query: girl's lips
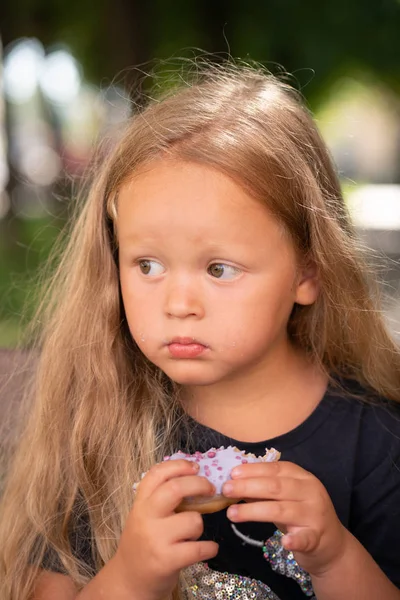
[185, 348]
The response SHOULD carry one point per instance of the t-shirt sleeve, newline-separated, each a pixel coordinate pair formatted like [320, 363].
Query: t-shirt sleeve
[51, 561]
[375, 513]
[81, 545]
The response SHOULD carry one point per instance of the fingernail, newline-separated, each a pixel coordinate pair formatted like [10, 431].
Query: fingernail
[287, 541]
[195, 466]
[236, 472]
[227, 489]
[232, 512]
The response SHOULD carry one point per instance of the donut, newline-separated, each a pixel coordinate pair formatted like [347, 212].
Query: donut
[216, 465]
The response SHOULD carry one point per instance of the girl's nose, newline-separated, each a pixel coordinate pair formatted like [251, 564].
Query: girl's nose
[183, 299]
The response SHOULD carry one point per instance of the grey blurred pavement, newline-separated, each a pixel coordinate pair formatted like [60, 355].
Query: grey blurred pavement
[385, 247]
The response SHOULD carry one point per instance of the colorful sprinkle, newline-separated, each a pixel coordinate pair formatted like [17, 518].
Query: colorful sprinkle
[220, 461]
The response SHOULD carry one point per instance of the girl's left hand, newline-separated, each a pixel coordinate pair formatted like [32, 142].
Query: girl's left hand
[299, 505]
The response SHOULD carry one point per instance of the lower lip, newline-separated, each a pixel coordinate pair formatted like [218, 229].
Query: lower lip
[186, 350]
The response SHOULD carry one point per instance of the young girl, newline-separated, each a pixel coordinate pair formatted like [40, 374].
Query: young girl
[212, 294]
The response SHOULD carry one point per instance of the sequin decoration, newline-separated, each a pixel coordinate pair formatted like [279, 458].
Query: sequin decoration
[282, 561]
[203, 583]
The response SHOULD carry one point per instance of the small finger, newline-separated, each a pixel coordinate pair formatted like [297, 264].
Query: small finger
[189, 553]
[163, 472]
[284, 512]
[269, 488]
[168, 496]
[185, 526]
[304, 539]
[279, 468]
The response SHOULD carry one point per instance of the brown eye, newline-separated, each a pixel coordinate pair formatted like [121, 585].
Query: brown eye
[216, 270]
[223, 271]
[151, 267]
[145, 266]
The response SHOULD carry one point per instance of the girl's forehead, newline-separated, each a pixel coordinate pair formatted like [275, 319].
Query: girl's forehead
[173, 186]
[173, 200]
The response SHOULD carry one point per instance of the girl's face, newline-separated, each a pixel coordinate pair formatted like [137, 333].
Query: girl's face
[208, 276]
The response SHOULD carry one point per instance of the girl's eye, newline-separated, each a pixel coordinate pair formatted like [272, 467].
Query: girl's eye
[151, 267]
[222, 271]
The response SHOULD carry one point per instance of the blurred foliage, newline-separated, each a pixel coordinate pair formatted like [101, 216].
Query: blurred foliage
[325, 38]
[24, 248]
[315, 41]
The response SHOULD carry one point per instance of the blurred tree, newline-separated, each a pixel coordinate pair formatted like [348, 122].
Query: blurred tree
[112, 35]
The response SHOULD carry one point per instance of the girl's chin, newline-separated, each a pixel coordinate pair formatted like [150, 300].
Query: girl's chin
[192, 381]
[187, 375]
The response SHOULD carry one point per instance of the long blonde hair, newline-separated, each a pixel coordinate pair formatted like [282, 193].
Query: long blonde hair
[102, 414]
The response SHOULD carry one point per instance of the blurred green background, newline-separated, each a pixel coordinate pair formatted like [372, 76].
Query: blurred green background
[68, 75]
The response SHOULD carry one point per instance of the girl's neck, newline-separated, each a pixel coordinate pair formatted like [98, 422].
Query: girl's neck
[271, 402]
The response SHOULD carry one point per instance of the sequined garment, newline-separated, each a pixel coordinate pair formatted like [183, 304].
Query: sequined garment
[282, 561]
[205, 584]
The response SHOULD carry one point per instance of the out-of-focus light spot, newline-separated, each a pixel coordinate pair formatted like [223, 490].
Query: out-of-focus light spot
[41, 164]
[30, 202]
[60, 77]
[4, 173]
[376, 206]
[115, 100]
[22, 65]
[4, 204]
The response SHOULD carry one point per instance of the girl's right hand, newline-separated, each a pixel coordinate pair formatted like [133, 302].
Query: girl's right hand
[156, 542]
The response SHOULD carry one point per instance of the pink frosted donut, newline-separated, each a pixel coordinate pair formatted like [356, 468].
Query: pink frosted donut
[216, 465]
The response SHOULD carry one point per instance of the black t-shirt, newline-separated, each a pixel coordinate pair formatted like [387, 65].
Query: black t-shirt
[353, 448]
